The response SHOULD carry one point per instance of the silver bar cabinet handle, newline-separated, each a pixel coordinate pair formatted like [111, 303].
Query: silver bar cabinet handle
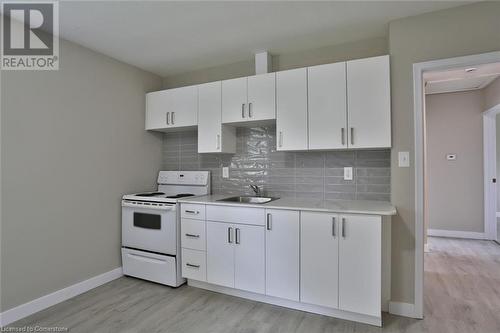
[192, 212]
[218, 141]
[342, 134]
[237, 230]
[343, 227]
[172, 118]
[193, 236]
[333, 226]
[250, 110]
[191, 265]
[352, 135]
[269, 222]
[167, 116]
[242, 110]
[229, 232]
[280, 140]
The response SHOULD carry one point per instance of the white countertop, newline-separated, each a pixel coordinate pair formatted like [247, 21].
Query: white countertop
[340, 206]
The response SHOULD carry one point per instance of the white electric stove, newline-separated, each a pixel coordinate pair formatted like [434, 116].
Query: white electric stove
[151, 226]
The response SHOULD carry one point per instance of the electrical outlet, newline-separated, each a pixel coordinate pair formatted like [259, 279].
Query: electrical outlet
[404, 159]
[348, 173]
[225, 172]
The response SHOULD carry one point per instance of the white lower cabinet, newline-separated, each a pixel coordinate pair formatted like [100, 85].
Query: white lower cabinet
[360, 264]
[319, 257]
[235, 256]
[282, 253]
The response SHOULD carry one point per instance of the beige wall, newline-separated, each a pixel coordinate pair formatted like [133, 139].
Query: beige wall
[72, 142]
[450, 33]
[455, 194]
[360, 49]
[492, 94]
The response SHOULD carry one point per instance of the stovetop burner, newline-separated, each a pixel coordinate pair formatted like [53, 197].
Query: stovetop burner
[150, 194]
[180, 195]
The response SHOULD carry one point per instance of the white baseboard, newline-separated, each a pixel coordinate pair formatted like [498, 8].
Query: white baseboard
[456, 234]
[402, 309]
[39, 304]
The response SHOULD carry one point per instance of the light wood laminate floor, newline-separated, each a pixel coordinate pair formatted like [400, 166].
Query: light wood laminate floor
[462, 295]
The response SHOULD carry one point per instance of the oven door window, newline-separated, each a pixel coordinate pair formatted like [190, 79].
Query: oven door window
[147, 221]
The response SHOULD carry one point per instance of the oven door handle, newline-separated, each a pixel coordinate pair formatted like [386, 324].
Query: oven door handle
[134, 205]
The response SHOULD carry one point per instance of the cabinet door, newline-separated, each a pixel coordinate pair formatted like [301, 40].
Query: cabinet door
[234, 100]
[360, 264]
[184, 107]
[319, 257]
[220, 254]
[327, 108]
[262, 97]
[249, 258]
[209, 117]
[291, 113]
[369, 102]
[282, 254]
[157, 105]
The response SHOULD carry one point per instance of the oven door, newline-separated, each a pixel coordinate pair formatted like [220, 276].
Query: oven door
[150, 228]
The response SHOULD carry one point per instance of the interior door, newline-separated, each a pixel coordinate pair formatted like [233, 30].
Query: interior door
[369, 102]
[249, 260]
[360, 262]
[262, 96]
[234, 100]
[282, 254]
[220, 254]
[157, 105]
[184, 107]
[319, 257]
[327, 106]
[291, 112]
[209, 117]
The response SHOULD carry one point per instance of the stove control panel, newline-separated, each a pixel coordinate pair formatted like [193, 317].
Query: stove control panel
[183, 178]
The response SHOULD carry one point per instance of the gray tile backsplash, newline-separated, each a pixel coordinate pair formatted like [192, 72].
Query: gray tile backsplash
[316, 175]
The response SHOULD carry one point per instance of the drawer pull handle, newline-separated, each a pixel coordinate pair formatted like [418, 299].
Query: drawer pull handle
[193, 236]
[193, 266]
[192, 212]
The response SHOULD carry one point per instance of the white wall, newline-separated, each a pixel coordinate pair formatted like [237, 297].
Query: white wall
[72, 143]
[455, 196]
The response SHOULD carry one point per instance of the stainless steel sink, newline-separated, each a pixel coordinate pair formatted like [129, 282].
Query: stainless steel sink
[249, 199]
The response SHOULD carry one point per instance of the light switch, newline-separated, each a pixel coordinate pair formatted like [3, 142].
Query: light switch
[404, 159]
[348, 173]
[225, 172]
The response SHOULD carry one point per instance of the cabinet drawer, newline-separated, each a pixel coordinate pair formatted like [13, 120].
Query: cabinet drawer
[193, 234]
[149, 266]
[194, 265]
[243, 215]
[193, 211]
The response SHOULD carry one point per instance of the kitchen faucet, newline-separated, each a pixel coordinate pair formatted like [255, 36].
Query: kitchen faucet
[256, 189]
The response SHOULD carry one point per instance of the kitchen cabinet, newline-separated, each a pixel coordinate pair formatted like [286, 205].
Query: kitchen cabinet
[327, 106]
[369, 103]
[360, 264]
[282, 253]
[172, 109]
[319, 257]
[235, 256]
[213, 137]
[249, 99]
[291, 112]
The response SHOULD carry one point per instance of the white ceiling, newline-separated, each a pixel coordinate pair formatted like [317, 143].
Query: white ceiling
[174, 37]
[458, 79]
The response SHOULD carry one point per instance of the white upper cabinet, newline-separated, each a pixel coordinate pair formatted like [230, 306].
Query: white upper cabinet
[262, 97]
[291, 115]
[327, 106]
[234, 100]
[213, 137]
[249, 99]
[172, 109]
[360, 264]
[369, 102]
